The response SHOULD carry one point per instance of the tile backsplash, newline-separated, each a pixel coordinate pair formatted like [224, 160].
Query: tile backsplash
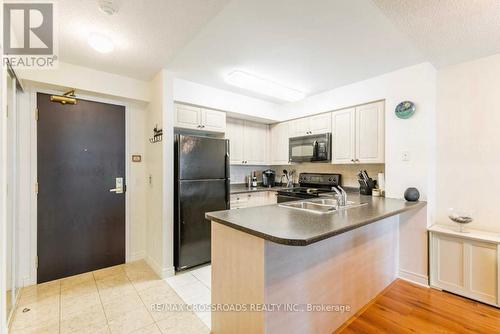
[348, 172]
[239, 173]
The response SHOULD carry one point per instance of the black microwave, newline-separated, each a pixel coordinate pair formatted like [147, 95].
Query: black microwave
[313, 148]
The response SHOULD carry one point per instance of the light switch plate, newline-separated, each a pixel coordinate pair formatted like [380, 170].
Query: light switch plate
[405, 156]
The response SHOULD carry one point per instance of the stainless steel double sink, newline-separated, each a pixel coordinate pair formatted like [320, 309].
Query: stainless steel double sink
[320, 205]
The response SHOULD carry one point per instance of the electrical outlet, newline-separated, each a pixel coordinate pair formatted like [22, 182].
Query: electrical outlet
[405, 156]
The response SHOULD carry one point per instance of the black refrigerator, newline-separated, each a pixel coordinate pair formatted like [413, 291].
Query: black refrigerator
[201, 184]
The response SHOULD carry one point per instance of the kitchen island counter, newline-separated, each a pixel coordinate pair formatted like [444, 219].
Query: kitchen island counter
[347, 258]
[295, 227]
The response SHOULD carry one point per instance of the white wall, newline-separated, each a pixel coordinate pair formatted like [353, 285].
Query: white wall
[235, 104]
[468, 123]
[90, 80]
[154, 158]
[168, 174]
[415, 135]
[3, 197]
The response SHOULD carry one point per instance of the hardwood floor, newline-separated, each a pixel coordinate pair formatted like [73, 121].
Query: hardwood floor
[409, 308]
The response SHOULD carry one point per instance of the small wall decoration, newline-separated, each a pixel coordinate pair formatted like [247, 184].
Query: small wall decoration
[405, 109]
[157, 135]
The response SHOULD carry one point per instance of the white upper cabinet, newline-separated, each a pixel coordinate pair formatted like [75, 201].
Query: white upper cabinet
[213, 120]
[321, 123]
[234, 132]
[248, 142]
[358, 134]
[316, 124]
[299, 127]
[343, 136]
[279, 143]
[256, 145]
[189, 117]
[370, 141]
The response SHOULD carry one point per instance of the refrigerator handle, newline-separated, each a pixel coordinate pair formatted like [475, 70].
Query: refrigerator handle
[228, 176]
[228, 194]
[227, 161]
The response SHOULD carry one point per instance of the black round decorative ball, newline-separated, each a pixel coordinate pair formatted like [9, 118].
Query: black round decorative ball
[412, 194]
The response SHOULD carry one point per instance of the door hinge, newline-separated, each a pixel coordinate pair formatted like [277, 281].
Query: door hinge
[36, 188]
[36, 113]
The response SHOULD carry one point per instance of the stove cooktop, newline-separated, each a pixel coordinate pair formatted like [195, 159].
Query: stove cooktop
[305, 190]
[312, 185]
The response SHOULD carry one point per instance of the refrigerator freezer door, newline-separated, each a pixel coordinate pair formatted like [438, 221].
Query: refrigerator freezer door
[192, 230]
[202, 158]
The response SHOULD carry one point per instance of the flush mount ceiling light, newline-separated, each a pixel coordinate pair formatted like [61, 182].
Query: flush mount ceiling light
[100, 43]
[263, 86]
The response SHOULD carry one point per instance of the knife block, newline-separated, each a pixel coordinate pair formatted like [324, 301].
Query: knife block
[366, 189]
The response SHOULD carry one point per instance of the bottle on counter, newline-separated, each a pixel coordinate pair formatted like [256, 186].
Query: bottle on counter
[254, 179]
[249, 181]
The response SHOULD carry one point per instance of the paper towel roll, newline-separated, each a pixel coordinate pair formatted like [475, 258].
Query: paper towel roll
[381, 181]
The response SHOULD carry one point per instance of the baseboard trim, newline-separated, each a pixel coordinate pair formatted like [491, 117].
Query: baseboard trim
[137, 256]
[27, 281]
[159, 270]
[412, 277]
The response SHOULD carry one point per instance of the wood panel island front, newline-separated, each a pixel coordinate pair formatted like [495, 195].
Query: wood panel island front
[283, 270]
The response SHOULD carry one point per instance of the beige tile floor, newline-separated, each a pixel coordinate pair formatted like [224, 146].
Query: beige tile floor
[114, 300]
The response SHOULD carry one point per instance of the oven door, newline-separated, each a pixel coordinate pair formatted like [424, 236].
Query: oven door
[310, 148]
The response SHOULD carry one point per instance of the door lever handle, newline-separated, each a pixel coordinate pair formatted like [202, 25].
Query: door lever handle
[118, 186]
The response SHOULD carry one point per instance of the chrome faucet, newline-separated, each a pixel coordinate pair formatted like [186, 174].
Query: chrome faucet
[341, 195]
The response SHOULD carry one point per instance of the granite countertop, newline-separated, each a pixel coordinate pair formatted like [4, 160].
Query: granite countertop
[301, 228]
[241, 188]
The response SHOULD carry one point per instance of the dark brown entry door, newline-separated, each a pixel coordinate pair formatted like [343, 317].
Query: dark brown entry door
[81, 152]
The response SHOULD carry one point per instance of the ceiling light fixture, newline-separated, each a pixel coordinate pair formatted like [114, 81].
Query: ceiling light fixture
[263, 86]
[100, 43]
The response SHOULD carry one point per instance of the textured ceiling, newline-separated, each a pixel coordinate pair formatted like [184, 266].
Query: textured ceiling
[311, 46]
[147, 33]
[447, 31]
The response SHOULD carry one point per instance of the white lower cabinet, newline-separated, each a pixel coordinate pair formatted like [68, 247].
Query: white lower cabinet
[465, 264]
[246, 200]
